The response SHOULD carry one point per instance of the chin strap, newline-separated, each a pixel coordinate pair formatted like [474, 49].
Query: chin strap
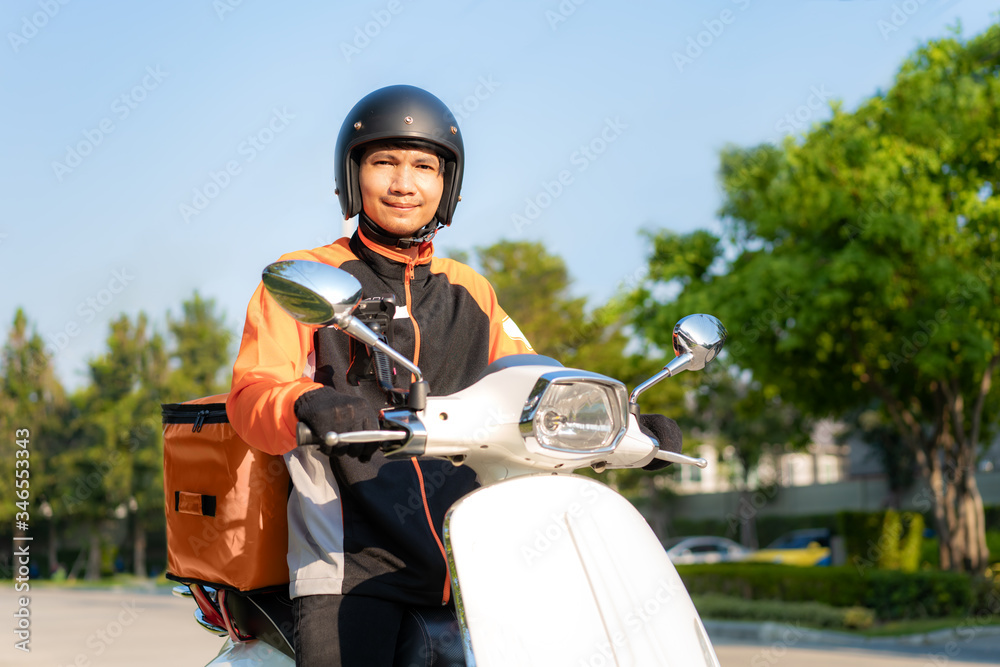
[379, 235]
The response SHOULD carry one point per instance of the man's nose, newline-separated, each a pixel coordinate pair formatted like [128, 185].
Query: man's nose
[402, 180]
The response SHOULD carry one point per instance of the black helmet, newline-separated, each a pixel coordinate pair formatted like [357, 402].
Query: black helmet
[410, 115]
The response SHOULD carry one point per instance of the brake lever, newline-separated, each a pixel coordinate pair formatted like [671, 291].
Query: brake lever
[674, 457]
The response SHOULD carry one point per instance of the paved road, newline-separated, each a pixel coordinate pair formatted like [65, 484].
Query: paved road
[107, 629]
[776, 655]
[131, 629]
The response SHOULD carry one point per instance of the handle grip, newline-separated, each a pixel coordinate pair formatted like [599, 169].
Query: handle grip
[305, 436]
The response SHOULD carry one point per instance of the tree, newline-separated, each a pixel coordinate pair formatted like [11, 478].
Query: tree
[201, 350]
[31, 399]
[861, 263]
[115, 448]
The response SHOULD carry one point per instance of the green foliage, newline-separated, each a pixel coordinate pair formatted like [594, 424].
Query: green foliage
[889, 594]
[912, 543]
[532, 286]
[862, 264]
[201, 350]
[892, 532]
[886, 540]
[809, 614]
[992, 516]
[31, 398]
[860, 531]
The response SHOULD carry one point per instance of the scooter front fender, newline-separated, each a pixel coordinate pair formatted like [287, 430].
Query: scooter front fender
[560, 570]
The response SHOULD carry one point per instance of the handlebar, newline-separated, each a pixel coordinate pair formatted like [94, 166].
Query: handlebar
[305, 436]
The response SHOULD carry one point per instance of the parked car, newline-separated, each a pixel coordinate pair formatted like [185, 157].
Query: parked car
[806, 547]
[703, 549]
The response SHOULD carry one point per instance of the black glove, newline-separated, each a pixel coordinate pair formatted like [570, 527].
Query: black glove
[667, 433]
[326, 409]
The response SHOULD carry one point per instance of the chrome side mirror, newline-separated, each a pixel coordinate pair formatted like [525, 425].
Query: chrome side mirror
[313, 293]
[698, 339]
[318, 294]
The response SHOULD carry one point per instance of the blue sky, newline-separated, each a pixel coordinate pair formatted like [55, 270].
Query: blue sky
[152, 149]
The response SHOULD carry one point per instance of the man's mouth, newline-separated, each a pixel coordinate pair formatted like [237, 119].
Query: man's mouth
[400, 205]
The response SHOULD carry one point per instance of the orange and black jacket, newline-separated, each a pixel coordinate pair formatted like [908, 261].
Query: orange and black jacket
[368, 528]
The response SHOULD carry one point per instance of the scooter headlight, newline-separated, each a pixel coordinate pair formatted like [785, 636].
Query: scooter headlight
[571, 411]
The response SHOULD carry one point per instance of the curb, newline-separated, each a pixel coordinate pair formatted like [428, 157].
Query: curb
[790, 633]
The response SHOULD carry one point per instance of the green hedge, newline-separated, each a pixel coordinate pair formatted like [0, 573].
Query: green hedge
[889, 594]
[811, 614]
[888, 540]
[992, 517]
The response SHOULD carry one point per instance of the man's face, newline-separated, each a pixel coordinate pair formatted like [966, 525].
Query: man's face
[400, 188]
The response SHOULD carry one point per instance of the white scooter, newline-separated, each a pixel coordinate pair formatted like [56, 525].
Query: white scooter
[548, 568]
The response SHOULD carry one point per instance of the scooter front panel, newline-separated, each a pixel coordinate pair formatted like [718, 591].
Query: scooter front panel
[555, 570]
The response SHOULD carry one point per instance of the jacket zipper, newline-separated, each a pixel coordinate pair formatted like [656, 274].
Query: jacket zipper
[407, 277]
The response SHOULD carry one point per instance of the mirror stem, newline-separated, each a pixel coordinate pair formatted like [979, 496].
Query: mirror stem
[356, 328]
[676, 365]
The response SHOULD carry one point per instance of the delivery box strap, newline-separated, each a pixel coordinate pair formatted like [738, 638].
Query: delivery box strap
[198, 504]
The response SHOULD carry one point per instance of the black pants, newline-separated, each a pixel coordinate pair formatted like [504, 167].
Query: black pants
[345, 631]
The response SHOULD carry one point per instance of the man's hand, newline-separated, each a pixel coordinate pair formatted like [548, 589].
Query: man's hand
[667, 433]
[326, 409]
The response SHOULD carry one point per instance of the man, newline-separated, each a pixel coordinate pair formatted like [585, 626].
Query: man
[365, 533]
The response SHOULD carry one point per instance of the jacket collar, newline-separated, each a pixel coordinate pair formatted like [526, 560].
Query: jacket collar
[389, 262]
